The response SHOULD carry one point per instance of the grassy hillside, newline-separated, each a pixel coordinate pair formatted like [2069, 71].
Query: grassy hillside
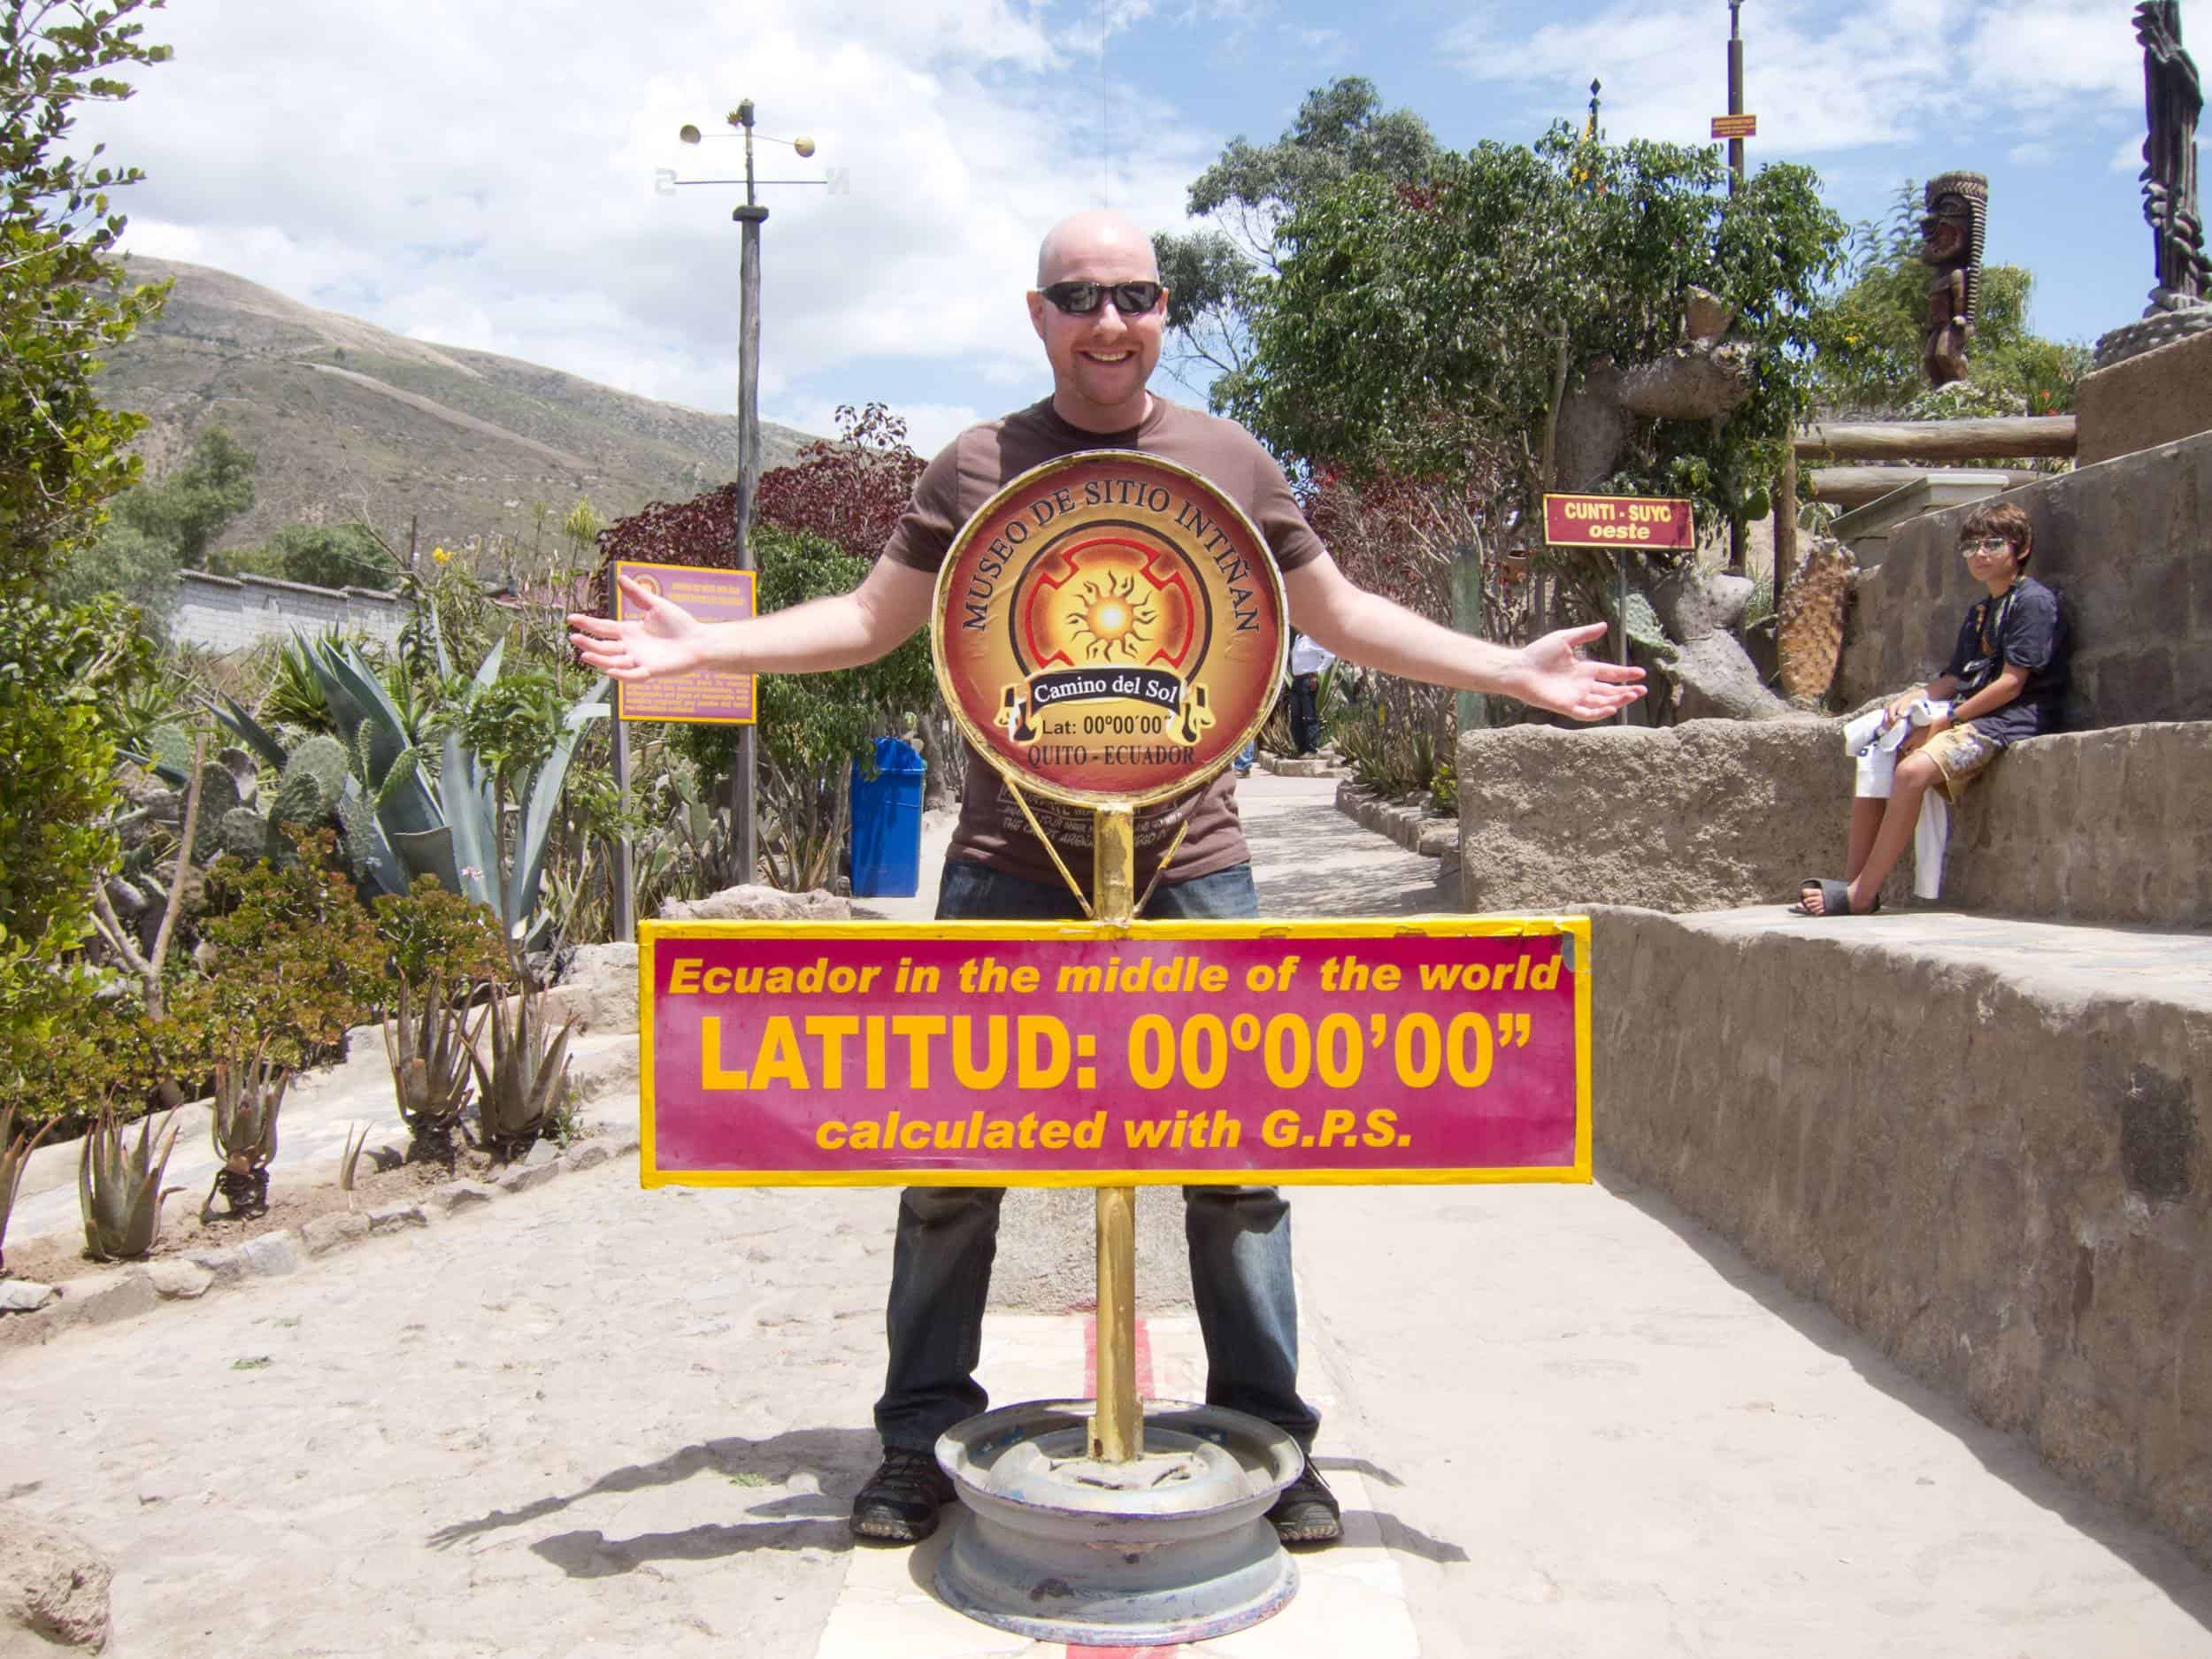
[352, 421]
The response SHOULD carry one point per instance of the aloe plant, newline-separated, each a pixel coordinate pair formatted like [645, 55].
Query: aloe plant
[430, 1052]
[118, 1187]
[249, 1094]
[526, 1081]
[15, 1152]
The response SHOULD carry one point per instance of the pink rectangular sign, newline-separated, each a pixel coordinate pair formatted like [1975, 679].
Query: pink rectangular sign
[1437, 1050]
[706, 697]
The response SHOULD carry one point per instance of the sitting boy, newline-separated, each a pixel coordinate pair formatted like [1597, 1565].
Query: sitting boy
[2006, 680]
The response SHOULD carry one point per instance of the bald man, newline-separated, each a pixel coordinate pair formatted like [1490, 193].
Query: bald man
[1100, 312]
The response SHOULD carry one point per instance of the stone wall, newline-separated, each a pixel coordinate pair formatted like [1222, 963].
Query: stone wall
[2110, 826]
[2129, 543]
[2161, 396]
[1989, 1158]
[1696, 817]
[234, 613]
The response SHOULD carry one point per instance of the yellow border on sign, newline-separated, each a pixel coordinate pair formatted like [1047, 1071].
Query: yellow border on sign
[1688, 509]
[1016, 776]
[1576, 928]
[752, 584]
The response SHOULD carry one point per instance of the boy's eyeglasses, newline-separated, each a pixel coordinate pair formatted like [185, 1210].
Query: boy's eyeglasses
[1080, 299]
[1987, 544]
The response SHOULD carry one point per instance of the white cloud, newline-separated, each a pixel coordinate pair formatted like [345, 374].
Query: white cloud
[1819, 77]
[452, 176]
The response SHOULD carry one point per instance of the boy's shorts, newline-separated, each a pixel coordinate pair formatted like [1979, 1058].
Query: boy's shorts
[1960, 754]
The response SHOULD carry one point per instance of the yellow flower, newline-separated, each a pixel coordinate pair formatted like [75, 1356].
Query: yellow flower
[440, 555]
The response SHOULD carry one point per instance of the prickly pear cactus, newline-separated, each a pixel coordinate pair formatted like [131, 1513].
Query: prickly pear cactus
[314, 779]
[356, 823]
[244, 834]
[219, 798]
[1809, 622]
[170, 746]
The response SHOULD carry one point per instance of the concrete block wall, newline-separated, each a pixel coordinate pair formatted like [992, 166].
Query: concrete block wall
[1983, 1143]
[2109, 826]
[2129, 543]
[235, 613]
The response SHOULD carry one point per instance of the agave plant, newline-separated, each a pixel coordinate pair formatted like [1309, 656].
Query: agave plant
[398, 823]
[118, 1187]
[350, 1161]
[249, 1094]
[15, 1152]
[526, 1081]
[430, 1052]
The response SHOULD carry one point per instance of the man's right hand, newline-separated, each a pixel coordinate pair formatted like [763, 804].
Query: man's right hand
[658, 637]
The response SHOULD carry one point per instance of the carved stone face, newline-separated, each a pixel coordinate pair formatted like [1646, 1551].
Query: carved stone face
[1946, 231]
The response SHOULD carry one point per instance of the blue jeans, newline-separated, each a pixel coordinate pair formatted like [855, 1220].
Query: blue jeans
[941, 1265]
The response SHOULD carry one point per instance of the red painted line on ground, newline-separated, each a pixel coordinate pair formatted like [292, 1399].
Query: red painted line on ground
[1144, 1392]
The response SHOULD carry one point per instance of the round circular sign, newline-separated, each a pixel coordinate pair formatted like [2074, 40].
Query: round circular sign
[1110, 629]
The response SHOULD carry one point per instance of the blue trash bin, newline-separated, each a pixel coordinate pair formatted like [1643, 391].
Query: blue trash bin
[887, 823]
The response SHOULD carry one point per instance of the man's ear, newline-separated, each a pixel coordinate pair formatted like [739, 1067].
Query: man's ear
[1037, 312]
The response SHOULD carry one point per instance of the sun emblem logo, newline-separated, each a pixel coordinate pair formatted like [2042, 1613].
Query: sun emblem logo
[1112, 620]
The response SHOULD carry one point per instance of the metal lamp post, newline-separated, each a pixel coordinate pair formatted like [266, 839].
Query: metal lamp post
[744, 830]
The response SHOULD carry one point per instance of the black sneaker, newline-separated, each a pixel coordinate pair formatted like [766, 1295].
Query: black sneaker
[898, 1504]
[1307, 1511]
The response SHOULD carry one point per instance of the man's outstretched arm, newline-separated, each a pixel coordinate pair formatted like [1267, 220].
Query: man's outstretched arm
[660, 637]
[1376, 632]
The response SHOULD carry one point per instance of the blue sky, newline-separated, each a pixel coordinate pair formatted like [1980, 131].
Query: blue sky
[453, 177]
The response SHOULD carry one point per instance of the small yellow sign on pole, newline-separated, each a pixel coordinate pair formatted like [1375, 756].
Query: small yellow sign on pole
[1735, 127]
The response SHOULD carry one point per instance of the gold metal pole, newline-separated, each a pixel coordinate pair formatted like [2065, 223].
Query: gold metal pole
[1117, 1426]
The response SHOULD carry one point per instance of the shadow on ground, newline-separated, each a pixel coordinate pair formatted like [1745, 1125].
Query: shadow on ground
[839, 1460]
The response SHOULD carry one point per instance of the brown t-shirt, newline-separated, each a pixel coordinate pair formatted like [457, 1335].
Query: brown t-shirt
[971, 469]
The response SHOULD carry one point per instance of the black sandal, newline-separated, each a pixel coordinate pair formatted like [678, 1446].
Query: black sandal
[1835, 900]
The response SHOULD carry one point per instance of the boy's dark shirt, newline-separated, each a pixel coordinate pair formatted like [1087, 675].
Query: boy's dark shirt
[2027, 629]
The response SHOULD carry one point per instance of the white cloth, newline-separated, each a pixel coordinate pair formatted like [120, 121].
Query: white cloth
[1873, 740]
[1930, 836]
[1309, 656]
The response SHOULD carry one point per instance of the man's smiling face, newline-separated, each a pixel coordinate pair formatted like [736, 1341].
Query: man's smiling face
[1100, 362]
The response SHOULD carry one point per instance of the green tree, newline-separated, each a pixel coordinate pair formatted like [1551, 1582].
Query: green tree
[58, 665]
[350, 554]
[191, 506]
[1868, 334]
[1434, 331]
[1214, 276]
[64, 298]
[153, 529]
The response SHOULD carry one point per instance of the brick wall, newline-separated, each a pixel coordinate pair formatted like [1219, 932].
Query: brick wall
[234, 613]
[2127, 542]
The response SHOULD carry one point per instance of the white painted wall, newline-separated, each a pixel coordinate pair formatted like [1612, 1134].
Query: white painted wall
[232, 613]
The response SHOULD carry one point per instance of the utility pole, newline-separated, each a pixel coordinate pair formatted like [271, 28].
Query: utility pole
[744, 825]
[1736, 537]
[1735, 92]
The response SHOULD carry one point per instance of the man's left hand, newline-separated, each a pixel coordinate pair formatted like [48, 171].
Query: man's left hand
[1553, 674]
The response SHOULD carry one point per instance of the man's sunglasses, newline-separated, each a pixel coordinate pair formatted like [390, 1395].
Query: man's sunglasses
[1080, 299]
[1987, 544]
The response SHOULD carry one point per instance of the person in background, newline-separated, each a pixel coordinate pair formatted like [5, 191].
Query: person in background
[2006, 680]
[1308, 660]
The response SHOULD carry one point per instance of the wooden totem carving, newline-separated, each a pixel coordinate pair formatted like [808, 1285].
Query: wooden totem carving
[2172, 100]
[1953, 220]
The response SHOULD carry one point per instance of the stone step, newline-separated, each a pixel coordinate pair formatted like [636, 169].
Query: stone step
[2107, 826]
[1987, 1143]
